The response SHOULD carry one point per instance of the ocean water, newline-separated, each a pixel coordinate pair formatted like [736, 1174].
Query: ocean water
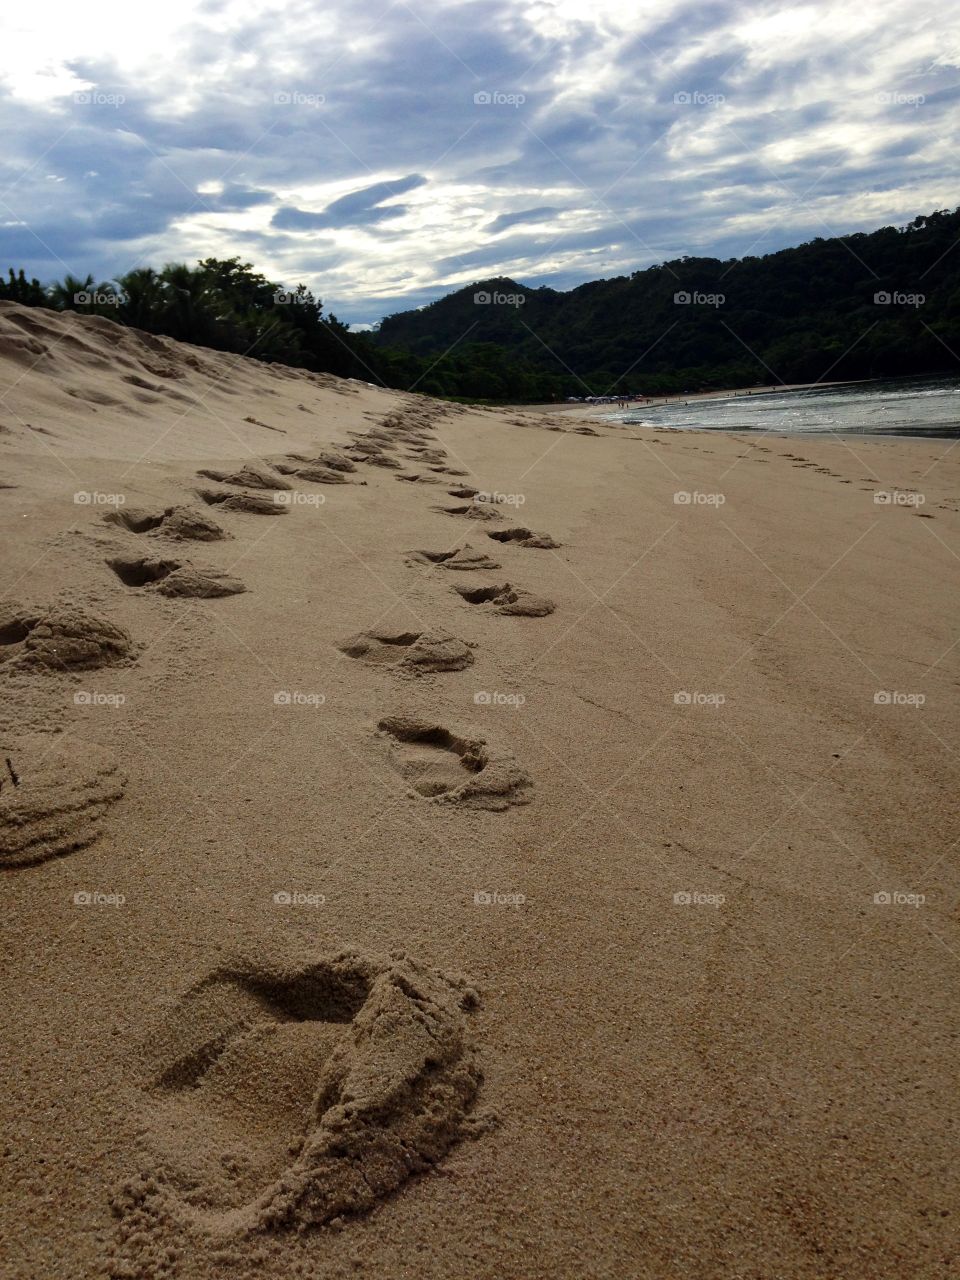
[895, 407]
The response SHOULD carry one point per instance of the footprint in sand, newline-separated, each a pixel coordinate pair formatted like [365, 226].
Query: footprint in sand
[508, 600]
[248, 476]
[418, 478]
[440, 765]
[61, 638]
[378, 434]
[460, 558]
[524, 538]
[174, 578]
[282, 1095]
[182, 523]
[328, 458]
[413, 652]
[255, 504]
[316, 474]
[379, 460]
[474, 511]
[53, 796]
[373, 453]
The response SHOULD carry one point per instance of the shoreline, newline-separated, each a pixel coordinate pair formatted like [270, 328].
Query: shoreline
[948, 434]
[727, 393]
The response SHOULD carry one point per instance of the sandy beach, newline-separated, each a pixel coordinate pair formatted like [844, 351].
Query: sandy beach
[447, 842]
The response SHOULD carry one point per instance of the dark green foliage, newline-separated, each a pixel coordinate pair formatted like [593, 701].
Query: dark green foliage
[17, 288]
[800, 315]
[225, 305]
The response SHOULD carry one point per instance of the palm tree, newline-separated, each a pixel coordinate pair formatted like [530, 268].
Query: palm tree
[143, 299]
[71, 293]
[185, 313]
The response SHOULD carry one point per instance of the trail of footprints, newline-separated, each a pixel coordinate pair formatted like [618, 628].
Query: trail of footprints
[314, 1089]
[310, 1089]
[438, 764]
[67, 638]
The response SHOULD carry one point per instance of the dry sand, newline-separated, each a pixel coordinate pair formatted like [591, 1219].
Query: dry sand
[360, 925]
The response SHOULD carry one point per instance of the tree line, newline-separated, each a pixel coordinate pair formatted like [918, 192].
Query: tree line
[878, 304]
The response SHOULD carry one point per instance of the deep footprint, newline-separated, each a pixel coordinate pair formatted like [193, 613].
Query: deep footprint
[315, 474]
[335, 461]
[282, 1096]
[411, 651]
[255, 504]
[174, 578]
[475, 511]
[508, 600]
[182, 523]
[248, 476]
[461, 558]
[524, 538]
[440, 765]
[61, 638]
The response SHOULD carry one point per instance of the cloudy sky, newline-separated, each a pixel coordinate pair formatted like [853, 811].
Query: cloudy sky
[385, 153]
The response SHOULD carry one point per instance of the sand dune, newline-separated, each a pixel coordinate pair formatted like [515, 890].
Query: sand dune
[549, 874]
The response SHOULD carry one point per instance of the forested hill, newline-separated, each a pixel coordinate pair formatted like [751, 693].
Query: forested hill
[867, 305]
